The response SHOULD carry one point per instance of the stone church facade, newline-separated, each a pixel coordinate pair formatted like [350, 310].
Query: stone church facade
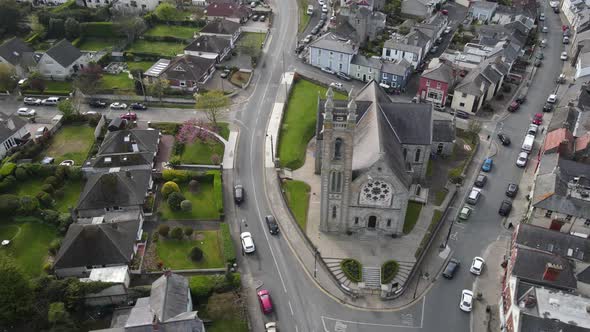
[369, 152]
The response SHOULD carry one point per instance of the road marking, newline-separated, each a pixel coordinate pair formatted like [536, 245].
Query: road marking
[291, 307]
[340, 324]
[454, 236]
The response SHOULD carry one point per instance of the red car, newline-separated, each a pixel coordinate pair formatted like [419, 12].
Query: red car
[444, 12]
[129, 116]
[538, 119]
[265, 301]
[513, 106]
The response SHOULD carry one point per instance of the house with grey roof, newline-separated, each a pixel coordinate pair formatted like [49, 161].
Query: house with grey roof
[436, 82]
[185, 72]
[332, 52]
[12, 132]
[209, 47]
[364, 68]
[482, 11]
[443, 137]
[413, 47]
[366, 23]
[18, 54]
[418, 8]
[471, 92]
[169, 308]
[61, 61]
[223, 28]
[396, 73]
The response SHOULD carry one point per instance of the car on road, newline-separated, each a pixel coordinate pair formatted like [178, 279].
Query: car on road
[462, 114]
[466, 303]
[23, 111]
[97, 103]
[225, 73]
[465, 212]
[538, 63]
[262, 18]
[521, 99]
[271, 327]
[542, 17]
[324, 9]
[504, 139]
[511, 190]
[548, 107]
[538, 118]
[474, 195]
[505, 208]
[533, 128]
[444, 12]
[32, 101]
[138, 106]
[514, 106]
[337, 85]
[451, 268]
[307, 39]
[51, 101]
[560, 79]
[448, 30]
[481, 180]
[488, 163]
[552, 99]
[477, 265]
[540, 56]
[265, 301]
[239, 194]
[273, 226]
[247, 242]
[522, 159]
[566, 40]
[563, 56]
[67, 163]
[254, 18]
[545, 29]
[328, 70]
[129, 116]
[118, 106]
[433, 49]
[343, 76]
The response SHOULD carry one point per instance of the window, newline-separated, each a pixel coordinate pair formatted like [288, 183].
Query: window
[417, 156]
[433, 95]
[336, 182]
[338, 149]
[415, 57]
[462, 104]
[182, 83]
[388, 222]
[356, 220]
[587, 222]
[548, 213]
[387, 52]
[319, 52]
[568, 217]
[405, 153]
[358, 67]
[358, 75]
[438, 85]
[341, 56]
[427, 82]
[464, 95]
[384, 76]
[340, 67]
[334, 211]
[331, 53]
[393, 78]
[370, 70]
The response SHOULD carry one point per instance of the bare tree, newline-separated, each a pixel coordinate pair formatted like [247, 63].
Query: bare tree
[213, 103]
[131, 26]
[157, 87]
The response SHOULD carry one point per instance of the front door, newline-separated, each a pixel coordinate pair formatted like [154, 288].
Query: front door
[364, 77]
[372, 222]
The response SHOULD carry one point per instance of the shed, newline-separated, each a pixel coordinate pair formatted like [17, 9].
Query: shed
[117, 124]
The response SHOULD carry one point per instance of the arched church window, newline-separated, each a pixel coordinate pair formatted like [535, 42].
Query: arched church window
[336, 181]
[338, 149]
[417, 157]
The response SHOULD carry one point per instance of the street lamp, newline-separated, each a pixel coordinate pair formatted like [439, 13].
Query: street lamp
[315, 262]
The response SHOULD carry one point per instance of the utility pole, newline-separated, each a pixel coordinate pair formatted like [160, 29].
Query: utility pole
[315, 262]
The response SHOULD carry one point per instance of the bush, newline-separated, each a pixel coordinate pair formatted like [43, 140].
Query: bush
[9, 204]
[59, 193]
[186, 205]
[188, 231]
[7, 169]
[168, 188]
[65, 219]
[54, 246]
[352, 269]
[179, 175]
[28, 204]
[7, 184]
[193, 185]
[174, 200]
[176, 233]
[45, 200]
[21, 174]
[202, 286]
[48, 267]
[229, 252]
[51, 217]
[47, 188]
[163, 229]
[196, 254]
[155, 237]
[61, 172]
[52, 180]
[389, 271]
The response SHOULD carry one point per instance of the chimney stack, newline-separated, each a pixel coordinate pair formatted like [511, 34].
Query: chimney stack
[552, 271]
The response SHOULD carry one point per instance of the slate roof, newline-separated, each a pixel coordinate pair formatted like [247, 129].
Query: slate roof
[221, 27]
[530, 266]
[97, 244]
[14, 49]
[562, 244]
[563, 117]
[6, 128]
[490, 73]
[530, 323]
[169, 296]
[106, 190]
[410, 121]
[64, 53]
[331, 42]
[583, 101]
[443, 131]
[442, 73]
[210, 44]
[370, 62]
[483, 5]
[232, 10]
[399, 68]
[188, 68]
[134, 140]
[472, 83]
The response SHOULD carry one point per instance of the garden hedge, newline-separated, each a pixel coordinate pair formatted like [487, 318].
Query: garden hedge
[229, 251]
[99, 29]
[202, 286]
[352, 269]
[389, 270]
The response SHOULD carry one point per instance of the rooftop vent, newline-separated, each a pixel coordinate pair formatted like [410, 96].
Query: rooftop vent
[107, 160]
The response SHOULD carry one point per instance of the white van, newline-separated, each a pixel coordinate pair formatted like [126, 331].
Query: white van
[529, 141]
[310, 10]
[51, 101]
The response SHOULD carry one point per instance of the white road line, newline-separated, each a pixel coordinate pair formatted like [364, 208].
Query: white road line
[291, 307]
[363, 323]
[423, 305]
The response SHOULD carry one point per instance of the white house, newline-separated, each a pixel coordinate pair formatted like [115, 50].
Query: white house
[471, 92]
[412, 48]
[12, 130]
[125, 6]
[61, 61]
[331, 52]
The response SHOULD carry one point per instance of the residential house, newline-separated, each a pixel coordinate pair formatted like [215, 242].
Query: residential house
[366, 23]
[443, 137]
[125, 6]
[419, 8]
[581, 54]
[571, 9]
[413, 47]
[18, 54]
[117, 293]
[437, 82]
[559, 141]
[229, 11]
[223, 28]
[61, 61]
[374, 5]
[582, 149]
[464, 3]
[328, 51]
[365, 68]
[12, 132]
[396, 73]
[209, 47]
[185, 72]
[483, 10]
[471, 92]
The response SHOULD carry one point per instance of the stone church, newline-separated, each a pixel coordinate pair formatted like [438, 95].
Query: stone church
[371, 154]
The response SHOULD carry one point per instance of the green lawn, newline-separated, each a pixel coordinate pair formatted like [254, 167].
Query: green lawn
[154, 47]
[71, 189]
[174, 253]
[297, 193]
[140, 65]
[303, 17]
[440, 196]
[200, 152]
[178, 31]
[299, 122]
[120, 81]
[71, 142]
[412, 214]
[29, 246]
[251, 40]
[204, 207]
[99, 44]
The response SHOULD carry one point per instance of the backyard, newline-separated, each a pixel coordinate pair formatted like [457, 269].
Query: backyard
[297, 193]
[71, 142]
[201, 152]
[156, 47]
[251, 43]
[174, 253]
[99, 44]
[206, 201]
[71, 192]
[120, 82]
[139, 65]
[299, 122]
[178, 31]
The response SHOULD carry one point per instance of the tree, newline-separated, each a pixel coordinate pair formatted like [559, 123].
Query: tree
[473, 127]
[192, 130]
[169, 187]
[11, 16]
[174, 200]
[196, 254]
[7, 77]
[37, 27]
[193, 185]
[176, 233]
[72, 28]
[36, 81]
[130, 26]
[57, 313]
[163, 229]
[156, 87]
[66, 107]
[166, 12]
[56, 28]
[88, 78]
[186, 206]
[28, 204]
[16, 294]
[212, 102]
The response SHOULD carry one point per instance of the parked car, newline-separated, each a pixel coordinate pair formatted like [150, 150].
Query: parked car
[477, 265]
[540, 56]
[328, 70]
[273, 226]
[138, 106]
[97, 103]
[67, 163]
[544, 43]
[51, 101]
[129, 116]
[533, 128]
[552, 98]
[538, 118]
[563, 56]
[299, 49]
[32, 101]
[40, 132]
[451, 268]
[324, 9]
[481, 180]
[307, 39]
[447, 30]
[239, 194]
[538, 63]
[465, 212]
[462, 114]
[444, 12]
[343, 76]
[523, 157]
[514, 106]
[520, 99]
[566, 40]
[505, 208]
[511, 190]
[271, 327]
[545, 29]
[466, 303]
[90, 113]
[118, 106]
[474, 196]
[247, 242]
[262, 18]
[548, 107]
[504, 139]
[337, 85]
[255, 18]
[433, 49]
[487, 165]
[561, 79]
[47, 160]
[27, 112]
[225, 73]
[265, 301]
[315, 30]
[542, 17]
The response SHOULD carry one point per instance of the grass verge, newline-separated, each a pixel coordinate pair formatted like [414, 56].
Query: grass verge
[297, 193]
[412, 215]
[435, 219]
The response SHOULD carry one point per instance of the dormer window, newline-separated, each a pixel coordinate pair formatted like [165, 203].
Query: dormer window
[179, 68]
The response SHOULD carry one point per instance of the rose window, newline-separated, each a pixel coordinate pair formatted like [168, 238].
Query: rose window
[376, 192]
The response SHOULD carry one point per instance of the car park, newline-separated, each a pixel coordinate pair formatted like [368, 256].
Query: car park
[548, 107]
[337, 85]
[477, 265]
[522, 159]
[505, 208]
[465, 212]
[511, 190]
[265, 301]
[514, 106]
[118, 106]
[481, 180]
[552, 99]
[328, 70]
[466, 303]
[129, 116]
[225, 73]
[32, 101]
[451, 268]
[271, 223]
[504, 139]
[239, 194]
[27, 112]
[538, 119]
[474, 195]
[97, 103]
[343, 76]
[138, 106]
[488, 163]
[247, 242]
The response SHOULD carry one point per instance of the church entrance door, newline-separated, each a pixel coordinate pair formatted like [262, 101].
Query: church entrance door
[372, 222]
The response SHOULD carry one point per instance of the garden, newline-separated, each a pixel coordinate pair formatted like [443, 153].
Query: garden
[160, 48]
[412, 215]
[119, 83]
[182, 248]
[177, 31]
[99, 44]
[71, 142]
[250, 43]
[196, 145]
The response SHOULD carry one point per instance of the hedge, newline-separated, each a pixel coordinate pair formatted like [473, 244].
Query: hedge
[7, 169]
[352, 269]
[99, 29]
[229, 251]
[389, 270]
[178, 176]
[217, 189]
[33, 38]
[202, 286]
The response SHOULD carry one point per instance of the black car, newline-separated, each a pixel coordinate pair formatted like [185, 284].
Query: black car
[238, 194]
[97, 103]
[462, 114]
[324, 16]
[548, 107]
[520, 99]
[538, 63]
[512, 190]
[481, 180]
[273, 226]
[138, 106]
[451, 268]
[504, 139]
[299, 49]
[434, 49]
[505, 208]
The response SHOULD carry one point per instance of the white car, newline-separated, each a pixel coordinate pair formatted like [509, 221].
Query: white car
[474, 196]
[563, 56]
[328, 70]
[307, 39]
[40, 132]
[552, 99]
[67, 163]
[271, 327]
[465, 212]
[448, 30]
[321, 2]
[542, 17]
[118, 106]
[477, 265]
[466, 303]
[32, 101]
[337, 85]
[247, 242]
[90, 113]
[522, 159]
[23, 111]
[324, 9]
